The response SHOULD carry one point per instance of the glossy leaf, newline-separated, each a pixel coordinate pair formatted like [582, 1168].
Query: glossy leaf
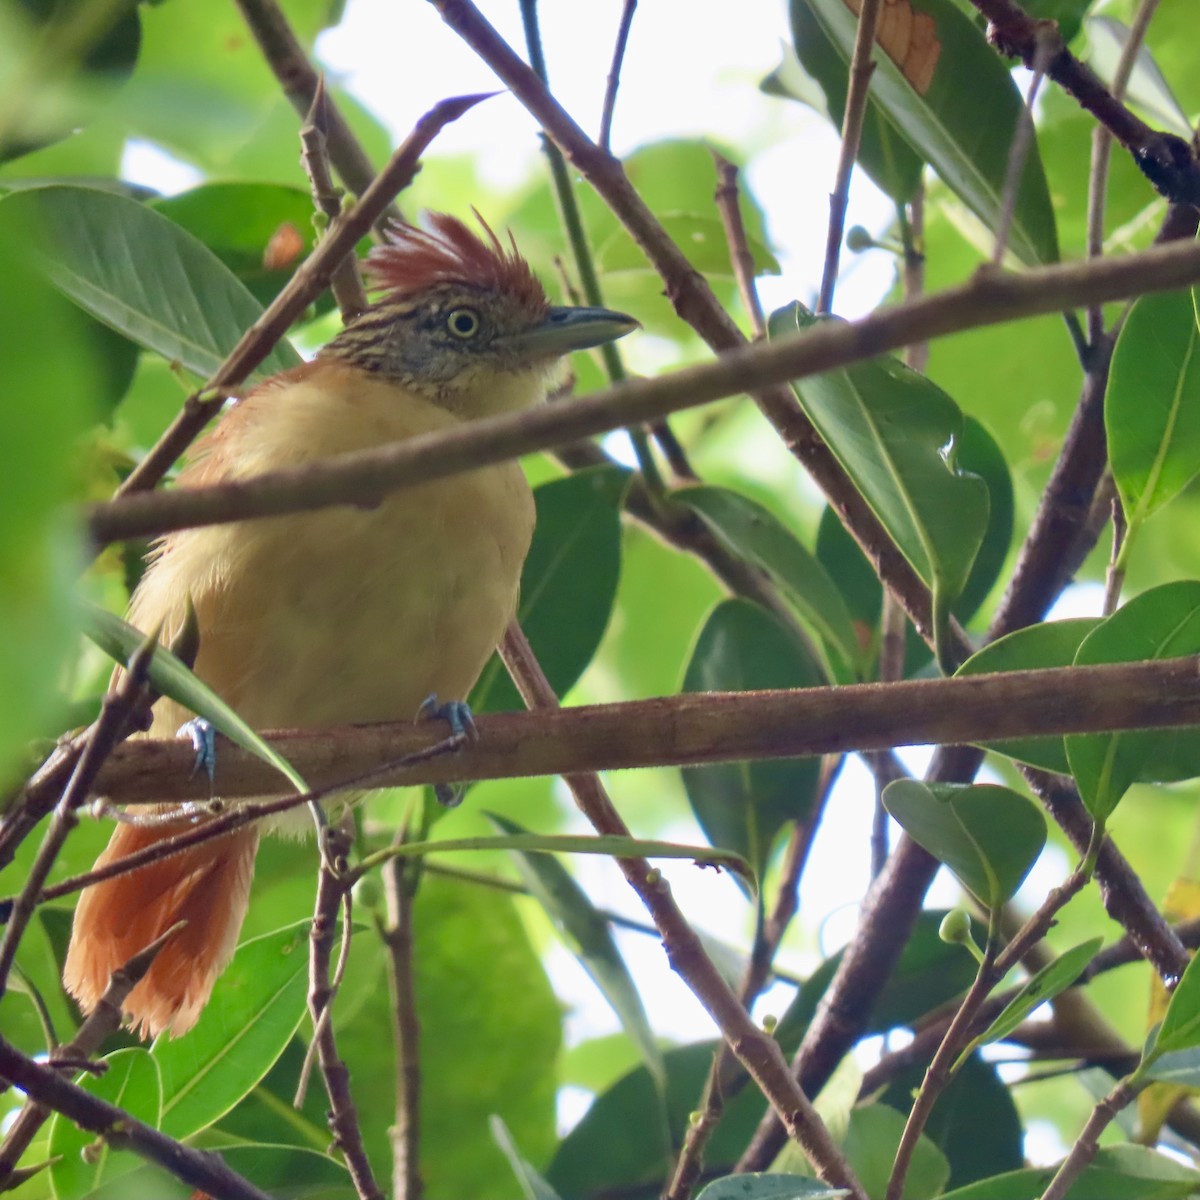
[768, 1187]
[131, 1081]
[569, 582]
[1047, 644]
[960, 116]
[870, 1146]
[256, 1008]
[1053, 978]
[1161, 623]
[816, 74]
[1148, 88]
[1152, 407]
[897, 434]
[590, 939]
[120, 641]
[759, 537]
[1180, 1028]
[1116, 1173]
[988, 836]
[979, 454]
[141, 274]
[1177, 1069]
[743, 806]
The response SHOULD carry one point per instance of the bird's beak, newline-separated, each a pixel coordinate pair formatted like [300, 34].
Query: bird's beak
[565, 329]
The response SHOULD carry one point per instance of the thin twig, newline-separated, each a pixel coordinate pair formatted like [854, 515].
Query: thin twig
[300, 82]
[614, 74]
[345, 283]
[727, 197]
[758, 1051]
[1115, 576]
[406, 1032]
[1018, 151]
[1088, 1142]
[343, 1115]
[304, 286]
[563, 187]
[861, 70]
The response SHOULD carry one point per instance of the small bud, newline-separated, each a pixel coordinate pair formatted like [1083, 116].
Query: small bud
[770, 1023]
[955, 928]
[367, 892]
[859, 239]
[653, 877]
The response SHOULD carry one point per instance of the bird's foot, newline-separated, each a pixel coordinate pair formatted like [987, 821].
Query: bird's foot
[203, 737]
[457, 714]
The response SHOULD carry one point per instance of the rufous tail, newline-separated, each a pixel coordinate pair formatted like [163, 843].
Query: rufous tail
[208, 886]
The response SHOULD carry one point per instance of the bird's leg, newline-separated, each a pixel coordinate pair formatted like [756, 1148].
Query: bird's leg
[457, 714]
[203, 737]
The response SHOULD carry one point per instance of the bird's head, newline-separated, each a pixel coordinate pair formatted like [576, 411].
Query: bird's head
[464, 321]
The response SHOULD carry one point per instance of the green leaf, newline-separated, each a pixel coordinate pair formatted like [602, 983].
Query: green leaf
[569, 582]
[897, 434]
[701, 238]
[1180, 1028]
[50, 379]
[742, 806]
[131, 1082]
[988, 836]
[870, 1146]
[589, 938]
[1180, 1068]
[768, 1187]
[533, 1186]
[1053, 978]
[237, 221]
[40, 34]
[975, 1098]
[1152, 407]
[616, 1146]
[1047, 644]
[816, 74]
[757, 536]
[491, 1031]
[120, 640]
[136, 271]
[1161, 623]
[1116, 1173]
[255, 1009]
[961, 119]
[1148, 88]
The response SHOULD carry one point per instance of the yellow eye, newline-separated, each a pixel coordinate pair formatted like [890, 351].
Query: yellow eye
[463, 323]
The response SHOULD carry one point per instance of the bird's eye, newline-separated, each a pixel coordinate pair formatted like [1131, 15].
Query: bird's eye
[463, 323]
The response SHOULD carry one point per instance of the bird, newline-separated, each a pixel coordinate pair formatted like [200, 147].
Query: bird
[347, 614]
